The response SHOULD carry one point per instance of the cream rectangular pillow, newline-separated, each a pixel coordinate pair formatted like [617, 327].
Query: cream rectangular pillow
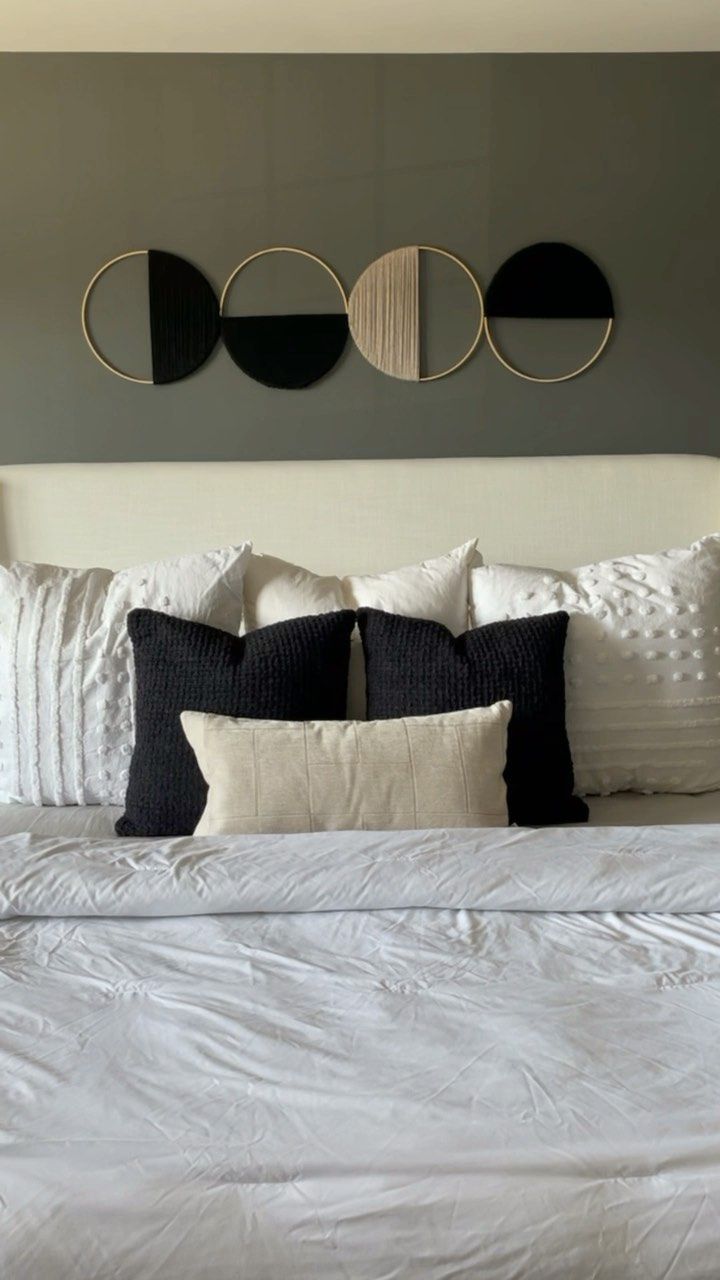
[642, 662]
[334, 775]
[436, 589]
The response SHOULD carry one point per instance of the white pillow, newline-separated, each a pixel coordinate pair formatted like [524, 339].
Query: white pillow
[642, 662]
[66, 711]
[434, 589]
[336, 775]
[276, 590]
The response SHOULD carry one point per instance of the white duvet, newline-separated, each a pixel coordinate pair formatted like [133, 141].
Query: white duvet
[467, 1055]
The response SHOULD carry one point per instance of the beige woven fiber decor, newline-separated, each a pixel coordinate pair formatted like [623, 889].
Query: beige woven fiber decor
[384, 313]
[334, 775]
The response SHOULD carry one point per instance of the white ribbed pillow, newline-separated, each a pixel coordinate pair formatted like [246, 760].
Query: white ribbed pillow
[66, 710]
[642, 662]
[338, 775]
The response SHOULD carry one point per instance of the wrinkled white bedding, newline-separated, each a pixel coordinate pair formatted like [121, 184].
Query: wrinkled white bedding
[449, 1054]
[626, 809]
[58, 820]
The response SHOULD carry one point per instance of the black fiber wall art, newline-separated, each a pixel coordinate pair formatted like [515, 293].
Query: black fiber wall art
[184, 316]
[287, 351]
[549, 281]
[545, 281]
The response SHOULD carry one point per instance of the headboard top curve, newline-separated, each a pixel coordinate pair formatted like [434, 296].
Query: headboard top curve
[359, 516]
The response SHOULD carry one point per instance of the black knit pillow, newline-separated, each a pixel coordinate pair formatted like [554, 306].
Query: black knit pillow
[295, 670]
[414, 667]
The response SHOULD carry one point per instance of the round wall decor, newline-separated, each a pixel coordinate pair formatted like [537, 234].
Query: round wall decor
[184, 320]
[384, 313]
[549, 280]
[285, 351]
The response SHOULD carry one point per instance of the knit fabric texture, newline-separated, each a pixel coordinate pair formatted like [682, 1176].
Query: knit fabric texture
[415, 667]
[294, 670]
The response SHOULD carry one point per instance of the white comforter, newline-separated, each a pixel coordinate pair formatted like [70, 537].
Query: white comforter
[362, 1056]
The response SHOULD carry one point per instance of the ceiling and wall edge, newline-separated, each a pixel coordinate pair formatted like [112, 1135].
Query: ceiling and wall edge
[359, 26]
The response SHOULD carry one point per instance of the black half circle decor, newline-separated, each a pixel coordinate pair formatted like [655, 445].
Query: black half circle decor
[288, 352]
[550, 281]
[184, 316]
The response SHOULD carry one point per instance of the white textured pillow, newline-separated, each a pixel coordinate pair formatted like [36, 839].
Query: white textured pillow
[436, 590]
[334, 775]
[642, 662]
[66, 712]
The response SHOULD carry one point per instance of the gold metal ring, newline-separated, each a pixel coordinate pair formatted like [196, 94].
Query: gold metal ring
[129, 377]
[282, 248]
[563, 377]
[432, 377]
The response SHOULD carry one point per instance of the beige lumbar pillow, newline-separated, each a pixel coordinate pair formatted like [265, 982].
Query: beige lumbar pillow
[333, 775]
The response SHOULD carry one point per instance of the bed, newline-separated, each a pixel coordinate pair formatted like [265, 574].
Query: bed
[362, 1054]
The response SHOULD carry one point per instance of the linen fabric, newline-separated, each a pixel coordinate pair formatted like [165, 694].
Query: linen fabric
[276, 590]
[424, 771]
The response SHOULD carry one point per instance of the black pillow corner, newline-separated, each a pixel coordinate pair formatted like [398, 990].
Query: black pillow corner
[292, 670]
[416, 667]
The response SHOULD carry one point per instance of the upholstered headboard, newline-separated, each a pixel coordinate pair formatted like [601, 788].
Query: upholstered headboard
[359, 516]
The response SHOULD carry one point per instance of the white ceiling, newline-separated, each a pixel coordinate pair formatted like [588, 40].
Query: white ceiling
[356, 26]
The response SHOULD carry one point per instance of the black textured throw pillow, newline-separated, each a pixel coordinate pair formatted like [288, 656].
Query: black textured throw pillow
[414, 667]
[294, 670]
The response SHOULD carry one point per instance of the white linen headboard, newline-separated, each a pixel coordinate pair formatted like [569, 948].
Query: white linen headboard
[359, 516]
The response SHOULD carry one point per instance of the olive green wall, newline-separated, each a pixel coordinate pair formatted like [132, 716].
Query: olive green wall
[212, 157]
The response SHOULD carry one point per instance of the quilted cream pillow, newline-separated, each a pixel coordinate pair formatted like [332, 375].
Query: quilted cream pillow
[333, 775]
[642, 662]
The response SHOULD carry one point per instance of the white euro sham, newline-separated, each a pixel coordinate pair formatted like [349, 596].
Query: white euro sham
[276, 590]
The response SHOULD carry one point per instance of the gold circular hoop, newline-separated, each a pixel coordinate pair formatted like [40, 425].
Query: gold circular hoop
[129, 377]
[563, 377]
[445, 253]
[282, 248]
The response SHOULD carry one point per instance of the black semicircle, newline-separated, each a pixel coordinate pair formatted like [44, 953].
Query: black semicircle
[550, 281]
[184, 316]
[288, 352]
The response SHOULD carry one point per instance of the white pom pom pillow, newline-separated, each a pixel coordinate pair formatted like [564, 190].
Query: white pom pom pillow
[642, 662]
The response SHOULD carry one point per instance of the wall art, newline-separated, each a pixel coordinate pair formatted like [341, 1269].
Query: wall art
[550, 281]
[184, 316]
[384, 313]
[285, 351]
